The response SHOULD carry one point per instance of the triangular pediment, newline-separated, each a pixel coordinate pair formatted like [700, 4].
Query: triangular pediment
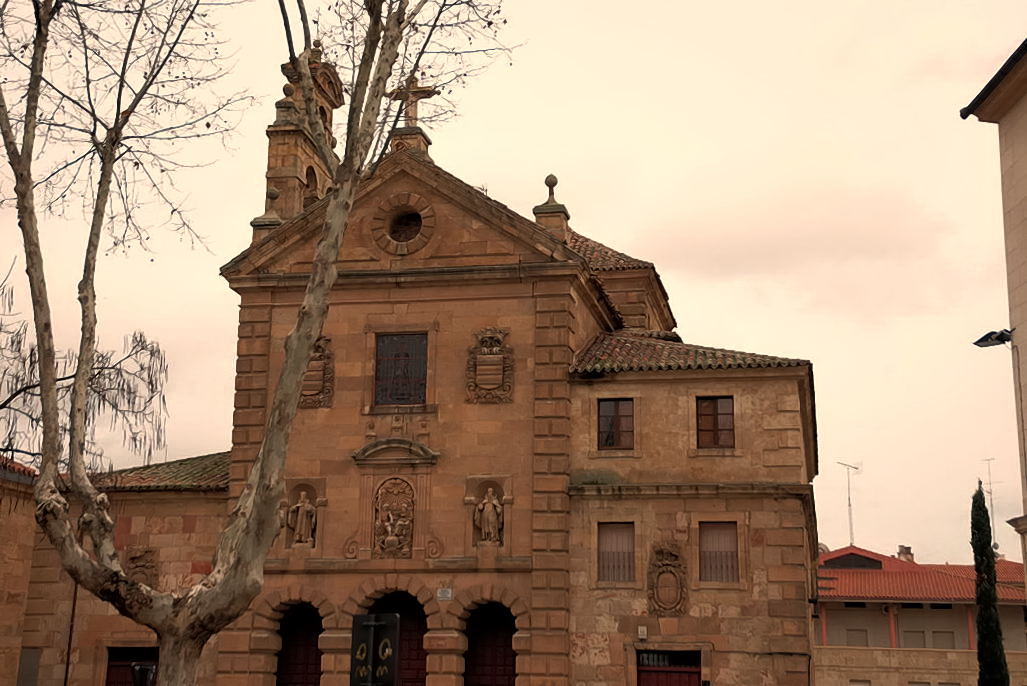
[410, 215]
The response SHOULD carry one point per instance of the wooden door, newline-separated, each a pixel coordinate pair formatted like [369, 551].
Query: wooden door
[121, 660]
[490, 659]
[299, 660]
[412, 667]
[669, 668]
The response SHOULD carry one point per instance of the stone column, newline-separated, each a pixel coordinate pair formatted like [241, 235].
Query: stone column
[445, 648]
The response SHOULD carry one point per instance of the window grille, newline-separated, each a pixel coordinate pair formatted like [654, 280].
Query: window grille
[616, 551]
[401, 369]
[718, 551]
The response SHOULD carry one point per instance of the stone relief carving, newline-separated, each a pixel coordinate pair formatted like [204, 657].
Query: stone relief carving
[488, 518]
[319, 379]
[666, 581]
[141, 566]
[302, 521]
[393, 519]
[490, 368]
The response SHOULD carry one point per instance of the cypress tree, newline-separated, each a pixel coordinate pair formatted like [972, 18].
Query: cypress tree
[991, 656]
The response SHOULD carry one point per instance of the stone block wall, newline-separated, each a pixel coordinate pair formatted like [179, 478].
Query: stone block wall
[17, 536]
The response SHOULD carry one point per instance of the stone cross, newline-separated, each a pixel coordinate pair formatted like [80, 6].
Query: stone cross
[410, 94]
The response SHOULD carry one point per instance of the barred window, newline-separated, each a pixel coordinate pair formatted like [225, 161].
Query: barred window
[400, 369]
[715, 418]
[718, 551]
[616, 547]
[616, 423]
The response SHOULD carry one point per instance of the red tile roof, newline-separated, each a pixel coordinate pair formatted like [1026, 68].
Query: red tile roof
[602, 258]
[12, 470]
[630, 350]
[902, 581]
[201, 473]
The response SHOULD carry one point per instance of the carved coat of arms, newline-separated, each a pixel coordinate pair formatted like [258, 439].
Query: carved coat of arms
[393, 519]
[666, 581]
[319, 379]
[490, 368]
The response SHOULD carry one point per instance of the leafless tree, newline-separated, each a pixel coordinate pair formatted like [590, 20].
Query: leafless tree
[126, 73]
[125, 388]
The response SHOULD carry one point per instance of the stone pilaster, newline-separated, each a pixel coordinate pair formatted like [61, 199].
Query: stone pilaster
[548, 661]
[251, 384]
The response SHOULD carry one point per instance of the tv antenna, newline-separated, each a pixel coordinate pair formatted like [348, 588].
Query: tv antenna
[849, 469]
[991, 503]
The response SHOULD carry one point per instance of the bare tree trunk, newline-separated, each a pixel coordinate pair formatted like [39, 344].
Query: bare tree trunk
[179, 660]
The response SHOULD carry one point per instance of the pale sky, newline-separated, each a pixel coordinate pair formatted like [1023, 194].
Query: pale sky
[797, 171]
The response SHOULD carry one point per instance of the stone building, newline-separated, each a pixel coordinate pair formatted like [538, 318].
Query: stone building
[891, 621]
[501, 439]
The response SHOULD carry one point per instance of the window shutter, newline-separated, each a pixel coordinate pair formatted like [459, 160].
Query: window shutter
[616, 546]
[718, 551]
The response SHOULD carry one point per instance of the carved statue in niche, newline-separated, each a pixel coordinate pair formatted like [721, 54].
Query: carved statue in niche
[393, 519]
[319, 379]
[302, 520]
[666, 581]
[490, 368]
[488, 517]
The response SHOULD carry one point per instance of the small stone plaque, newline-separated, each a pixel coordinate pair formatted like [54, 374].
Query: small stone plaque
[444, 594]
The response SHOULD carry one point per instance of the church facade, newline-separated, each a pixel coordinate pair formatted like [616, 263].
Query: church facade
[501, 439]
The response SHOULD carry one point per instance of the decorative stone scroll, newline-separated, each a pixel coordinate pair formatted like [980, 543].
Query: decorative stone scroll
[393, 519]
[666, 581]
[319, 379]
[490, 368]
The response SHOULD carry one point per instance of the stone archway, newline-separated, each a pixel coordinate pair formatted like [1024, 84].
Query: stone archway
[299, 659]
[462, 610]
[490, 659]
[412, 662]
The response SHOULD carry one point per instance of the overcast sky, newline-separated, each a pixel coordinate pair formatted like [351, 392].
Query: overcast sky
[798, 172]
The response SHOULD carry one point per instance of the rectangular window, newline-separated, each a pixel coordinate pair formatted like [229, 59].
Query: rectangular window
[616, 424]
[400, 368]
[718, 551]
[913, 639]
[943, 639]
[856, 637]
[616, 561]
[126, 666]
[715, 419]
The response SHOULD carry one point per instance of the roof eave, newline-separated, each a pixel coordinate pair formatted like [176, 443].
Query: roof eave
[990, 103]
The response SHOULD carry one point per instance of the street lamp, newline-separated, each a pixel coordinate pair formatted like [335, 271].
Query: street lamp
[994, 338]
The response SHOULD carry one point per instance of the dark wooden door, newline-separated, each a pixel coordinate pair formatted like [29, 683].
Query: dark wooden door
[412, 669]
[490, 659]
[121, 660]
[299, 661]
[669, 668]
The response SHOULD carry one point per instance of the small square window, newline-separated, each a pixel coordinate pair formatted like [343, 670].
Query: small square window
[400, 369]
[943, 639]
[616, 423]
[718, 551]
[913, 639]
[715, 419]
[616, 551]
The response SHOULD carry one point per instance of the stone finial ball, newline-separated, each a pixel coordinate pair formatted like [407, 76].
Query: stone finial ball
[551, 181]
[317, 44]
[273, 193]
[288, 89]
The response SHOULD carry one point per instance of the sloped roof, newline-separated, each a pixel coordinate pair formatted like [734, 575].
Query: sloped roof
[12, 470]
[996, 80]
[903, 581]
[602, 258]
[200, 473]
[630, 350]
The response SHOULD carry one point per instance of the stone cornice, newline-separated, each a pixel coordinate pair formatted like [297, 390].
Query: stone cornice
[681, 490]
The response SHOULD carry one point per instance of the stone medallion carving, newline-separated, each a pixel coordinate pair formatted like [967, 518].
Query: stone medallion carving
[490, 368]
[666, 581]
[393, 519]
[403, 224]
[319, 379]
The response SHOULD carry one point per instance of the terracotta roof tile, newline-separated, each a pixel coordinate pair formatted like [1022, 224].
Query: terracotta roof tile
[201, 473]
[635, 350]
[12, 470]
[903, 581]
[602, 258]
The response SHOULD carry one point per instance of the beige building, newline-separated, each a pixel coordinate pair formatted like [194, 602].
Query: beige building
[1002, 101]
[890, 621]
[501, 439]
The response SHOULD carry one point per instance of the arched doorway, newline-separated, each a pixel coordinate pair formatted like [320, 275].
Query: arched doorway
[490, 659]
[413, 624]
[299, 660]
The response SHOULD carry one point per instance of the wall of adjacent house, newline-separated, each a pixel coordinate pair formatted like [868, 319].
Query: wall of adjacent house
[16, 539]
[165, 537]
[836, 666]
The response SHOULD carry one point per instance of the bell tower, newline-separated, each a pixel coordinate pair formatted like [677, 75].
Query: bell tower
[296, 177]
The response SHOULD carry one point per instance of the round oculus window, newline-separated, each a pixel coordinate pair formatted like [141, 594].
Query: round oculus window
[405, 226]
